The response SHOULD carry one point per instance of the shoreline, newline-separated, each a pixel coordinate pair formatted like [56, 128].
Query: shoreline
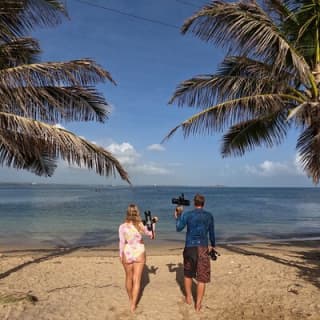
[152, 248]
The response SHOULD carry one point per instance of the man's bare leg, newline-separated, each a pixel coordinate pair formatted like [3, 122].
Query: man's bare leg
[188, 289]
[201, 287]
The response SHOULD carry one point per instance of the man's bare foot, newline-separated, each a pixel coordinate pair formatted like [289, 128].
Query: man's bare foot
[188, 300]
[133, 308]
[198, 308]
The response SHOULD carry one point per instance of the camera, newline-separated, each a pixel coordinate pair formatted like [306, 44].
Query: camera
[149, 220]
[214, 254]
[181, 201]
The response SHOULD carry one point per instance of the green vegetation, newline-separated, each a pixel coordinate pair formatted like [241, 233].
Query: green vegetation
[268, 82]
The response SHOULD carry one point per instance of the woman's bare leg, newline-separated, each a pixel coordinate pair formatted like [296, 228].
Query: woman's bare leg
[137, 274]
[128, 267]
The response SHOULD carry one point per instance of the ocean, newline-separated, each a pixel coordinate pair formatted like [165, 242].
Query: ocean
[48, 215]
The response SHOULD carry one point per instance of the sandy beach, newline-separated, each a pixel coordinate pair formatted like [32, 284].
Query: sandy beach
[249, 281]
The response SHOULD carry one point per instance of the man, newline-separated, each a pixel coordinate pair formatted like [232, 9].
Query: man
[196, 260]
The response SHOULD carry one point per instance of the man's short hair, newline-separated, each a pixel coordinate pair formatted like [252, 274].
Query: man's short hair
[199, 200]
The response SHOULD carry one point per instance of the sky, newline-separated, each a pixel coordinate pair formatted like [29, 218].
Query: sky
[148, 60]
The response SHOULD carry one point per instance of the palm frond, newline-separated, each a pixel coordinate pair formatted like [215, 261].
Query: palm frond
[19, 16]
[236, 77]
[171, 133]
[18, 51]
[269, 130]
[308, 146]
[44, 165]
[34, 159]
[306, 114]
[304, 28]
[245, 28]
[205, 90]
[55, 104]
[60, 143]
[197, 91]
[297, 110]
[74, 73]
[270, 83]
[281, 8]
[231, 112]
[245, 66]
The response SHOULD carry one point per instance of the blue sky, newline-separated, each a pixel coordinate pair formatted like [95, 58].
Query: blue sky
[148, 61]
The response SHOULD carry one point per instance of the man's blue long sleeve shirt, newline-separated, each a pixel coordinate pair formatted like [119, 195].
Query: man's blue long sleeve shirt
[200, 224]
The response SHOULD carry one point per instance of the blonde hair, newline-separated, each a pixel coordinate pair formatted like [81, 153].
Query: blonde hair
[133, 215]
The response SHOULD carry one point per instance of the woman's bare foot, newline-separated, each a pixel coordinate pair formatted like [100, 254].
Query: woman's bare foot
[188, 300]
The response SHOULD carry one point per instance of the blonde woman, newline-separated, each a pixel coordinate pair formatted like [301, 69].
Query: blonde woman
[132, 251]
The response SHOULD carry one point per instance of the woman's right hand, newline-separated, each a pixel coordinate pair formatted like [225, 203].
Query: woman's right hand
[178, 211]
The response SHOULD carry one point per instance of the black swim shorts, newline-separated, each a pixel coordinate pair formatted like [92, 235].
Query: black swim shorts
[196, 263]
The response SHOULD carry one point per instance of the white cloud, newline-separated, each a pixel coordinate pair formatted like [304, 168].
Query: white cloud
[150, 169]
[84, 138]
[131, 160]
[59, 126]
[156, 147]
[297, 163]
[272, 168]
[124, 152]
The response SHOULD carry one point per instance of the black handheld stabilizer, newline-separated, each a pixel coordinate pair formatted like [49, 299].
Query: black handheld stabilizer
[214, 254]
[149, 221]
[181, 201]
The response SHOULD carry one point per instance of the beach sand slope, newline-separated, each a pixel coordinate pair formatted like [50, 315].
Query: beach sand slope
[260, 281]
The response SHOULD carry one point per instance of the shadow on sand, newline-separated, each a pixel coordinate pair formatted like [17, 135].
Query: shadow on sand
[53, 254]
[178, 269]
[308, 268]
[60, 247]
[145, 278]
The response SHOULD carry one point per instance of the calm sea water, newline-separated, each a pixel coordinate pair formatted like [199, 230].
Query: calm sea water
[64, 215]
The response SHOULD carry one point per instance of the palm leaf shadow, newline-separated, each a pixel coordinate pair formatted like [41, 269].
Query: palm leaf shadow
[308, 270]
